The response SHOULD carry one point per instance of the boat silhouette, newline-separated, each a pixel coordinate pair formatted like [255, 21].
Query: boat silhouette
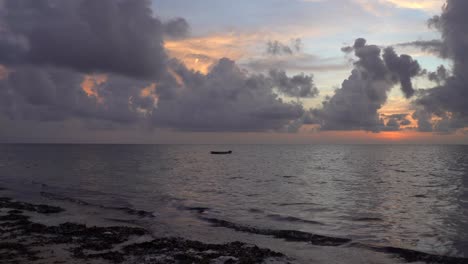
[221, 152]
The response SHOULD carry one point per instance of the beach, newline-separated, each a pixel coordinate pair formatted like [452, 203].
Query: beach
[26, 241]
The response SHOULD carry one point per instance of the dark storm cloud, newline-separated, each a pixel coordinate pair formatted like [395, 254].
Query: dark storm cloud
[392, 125]
[404, 68]
[119, 36]
[103, 62]
[397, 120]
[30, 93]
[448, 101]
[226, 99]
[177, 28]
[54, 94]
[355, 105]
[54, 46]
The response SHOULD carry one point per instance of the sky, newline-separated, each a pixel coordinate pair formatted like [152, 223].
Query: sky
[218, 71]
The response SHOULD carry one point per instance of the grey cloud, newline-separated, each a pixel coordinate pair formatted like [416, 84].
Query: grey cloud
[440, 75]
[358, 43]
[226, 99]
[434, 46]
[54, 94]
[355, 105]
[398, 117]
[369, 60]
[278, 48]
[396, 120]
[404, 68]
[302, 62]
[177, 28]
[291, 57]
[52, 45]
[405, 122]
[300, 85]
[448, 100]
[347, 49]
[39, 94]
[120, 36]
[392, 125]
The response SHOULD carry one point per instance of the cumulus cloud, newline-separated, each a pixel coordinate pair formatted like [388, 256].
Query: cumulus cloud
[403, 68]
[226, 99]
[120, 36]
[447, 101]
[57, 94]
[440, 75]
[355, 105]
[177, 28]
[300, 85]
[104, 62]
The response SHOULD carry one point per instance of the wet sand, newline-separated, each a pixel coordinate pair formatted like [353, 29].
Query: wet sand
[27, 241]
[49, 233]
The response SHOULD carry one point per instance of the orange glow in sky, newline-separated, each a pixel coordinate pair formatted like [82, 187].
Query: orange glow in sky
[148, 91]
[4, 72]
[90, 83]
[180, 82]
[200, 53]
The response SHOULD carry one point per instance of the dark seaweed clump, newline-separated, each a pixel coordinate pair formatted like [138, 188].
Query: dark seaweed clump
[24, 241]
[39, 208]
[289, 235]
[319, 240]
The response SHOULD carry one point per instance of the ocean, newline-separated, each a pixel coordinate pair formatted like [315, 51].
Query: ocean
[403, 196]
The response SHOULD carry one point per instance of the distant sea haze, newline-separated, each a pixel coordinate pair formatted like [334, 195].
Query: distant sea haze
[404, 196]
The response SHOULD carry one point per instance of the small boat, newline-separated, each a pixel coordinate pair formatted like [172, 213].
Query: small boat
[221, 152]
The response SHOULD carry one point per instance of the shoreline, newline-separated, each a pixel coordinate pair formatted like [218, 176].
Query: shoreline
[69, 240]
[26, 241]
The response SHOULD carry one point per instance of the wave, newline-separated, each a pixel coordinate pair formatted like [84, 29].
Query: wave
[287, 218]
[198, 209]
[367, 219]
[288, 235]
[292, 204]
[127, 210]
[320, 240]
[417, 256]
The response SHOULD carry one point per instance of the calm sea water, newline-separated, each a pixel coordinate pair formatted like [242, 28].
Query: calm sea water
[407, 196]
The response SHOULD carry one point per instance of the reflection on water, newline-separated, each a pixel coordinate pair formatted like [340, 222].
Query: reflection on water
[405, 196]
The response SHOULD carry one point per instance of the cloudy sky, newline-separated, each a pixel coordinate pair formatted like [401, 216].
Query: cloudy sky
[216, 71]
